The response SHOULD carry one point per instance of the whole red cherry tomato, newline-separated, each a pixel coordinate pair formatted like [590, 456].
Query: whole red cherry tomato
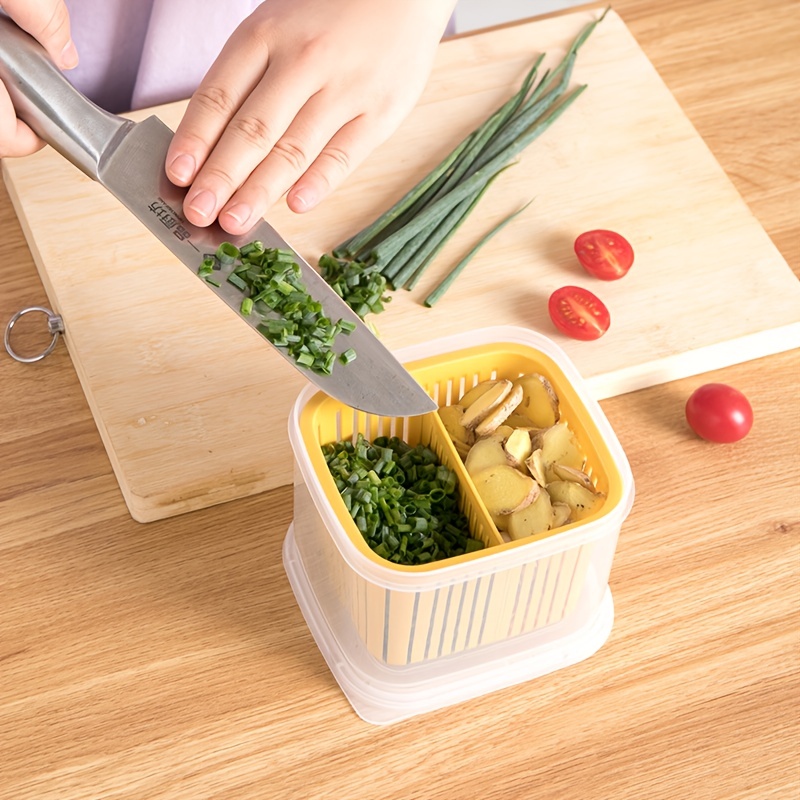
[578, 313]
[604, 254]
[719, 413]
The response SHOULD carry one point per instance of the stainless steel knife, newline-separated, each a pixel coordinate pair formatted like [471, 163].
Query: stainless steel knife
[128, 159]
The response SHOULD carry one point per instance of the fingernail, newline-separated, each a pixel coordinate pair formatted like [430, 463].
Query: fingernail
[69, 56]
[183, 167]
[304, 199]
[240, 213]
[203, 203]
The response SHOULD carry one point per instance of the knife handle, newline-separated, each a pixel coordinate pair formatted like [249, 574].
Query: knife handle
[50, 105]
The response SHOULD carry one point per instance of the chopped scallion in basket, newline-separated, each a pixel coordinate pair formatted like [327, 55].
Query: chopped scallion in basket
[402, 500]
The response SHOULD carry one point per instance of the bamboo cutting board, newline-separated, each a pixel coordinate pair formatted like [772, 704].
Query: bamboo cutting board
[193, 406]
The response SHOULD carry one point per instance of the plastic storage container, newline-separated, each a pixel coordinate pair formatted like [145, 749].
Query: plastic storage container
[402, 640]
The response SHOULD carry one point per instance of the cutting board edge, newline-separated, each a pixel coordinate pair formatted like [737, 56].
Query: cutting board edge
[30, 240]
[137, 512]
[691, 363]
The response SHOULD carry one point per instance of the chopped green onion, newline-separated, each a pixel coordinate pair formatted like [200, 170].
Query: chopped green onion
[227, 253]
[271, 280]
[238, 282]
[402, 500]
[252, 248]
[305, 360]
[206, 267]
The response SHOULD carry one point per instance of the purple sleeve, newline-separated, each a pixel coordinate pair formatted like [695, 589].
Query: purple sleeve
[147, 52]
[183, 39]
[141, 53]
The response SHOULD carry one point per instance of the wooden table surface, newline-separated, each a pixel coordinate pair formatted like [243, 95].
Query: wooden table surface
[170, 660]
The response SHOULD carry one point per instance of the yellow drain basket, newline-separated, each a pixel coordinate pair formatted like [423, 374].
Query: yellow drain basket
[378, 614]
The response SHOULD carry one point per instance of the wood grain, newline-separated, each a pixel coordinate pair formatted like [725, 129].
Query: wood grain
[169, 661]
[171, 397]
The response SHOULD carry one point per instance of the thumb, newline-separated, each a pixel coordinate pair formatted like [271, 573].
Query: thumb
[47, 21]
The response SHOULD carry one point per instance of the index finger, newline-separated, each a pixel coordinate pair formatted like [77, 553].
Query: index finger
[232, 77]
[224, 144]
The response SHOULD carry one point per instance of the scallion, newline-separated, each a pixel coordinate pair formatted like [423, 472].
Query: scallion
[402, 500]
[449, 279]
[396, 249]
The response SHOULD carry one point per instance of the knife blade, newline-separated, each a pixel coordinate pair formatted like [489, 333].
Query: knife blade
[128, 159]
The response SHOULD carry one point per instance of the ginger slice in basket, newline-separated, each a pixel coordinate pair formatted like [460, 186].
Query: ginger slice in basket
[535, 518]
[487, 402]
[498, 415]
[487, 452]
[559, 446]
[451, 419]
[518, 448]
[562, 472]
[471, 395]
[562, 514]
[539, 403]
[582, 501]
[505, 490]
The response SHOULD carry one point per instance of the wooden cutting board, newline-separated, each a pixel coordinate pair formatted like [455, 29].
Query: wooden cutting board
[193, 406]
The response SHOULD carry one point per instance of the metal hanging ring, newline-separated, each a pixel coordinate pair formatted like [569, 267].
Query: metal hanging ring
[55, 324]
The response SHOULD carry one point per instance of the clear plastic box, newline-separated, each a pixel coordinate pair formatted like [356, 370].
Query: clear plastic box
[402, 640]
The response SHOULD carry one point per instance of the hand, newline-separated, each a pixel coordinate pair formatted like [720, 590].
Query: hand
[302, 92]
[47, 21]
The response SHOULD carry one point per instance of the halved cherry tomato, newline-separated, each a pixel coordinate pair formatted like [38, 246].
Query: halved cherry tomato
[719, 413]
[604, 254]
[578, 313]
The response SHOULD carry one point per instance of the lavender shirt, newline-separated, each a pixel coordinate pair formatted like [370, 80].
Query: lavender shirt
[140, 53]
